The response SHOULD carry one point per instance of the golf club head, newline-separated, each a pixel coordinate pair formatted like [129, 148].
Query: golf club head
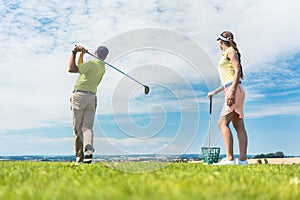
[147, 89]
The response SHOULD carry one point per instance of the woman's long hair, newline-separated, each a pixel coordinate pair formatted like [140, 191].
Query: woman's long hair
[228, 35]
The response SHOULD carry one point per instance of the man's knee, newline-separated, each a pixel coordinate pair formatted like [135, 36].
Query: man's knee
[87, 129]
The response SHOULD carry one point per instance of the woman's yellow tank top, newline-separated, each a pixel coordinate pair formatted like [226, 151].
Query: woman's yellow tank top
[226, 71]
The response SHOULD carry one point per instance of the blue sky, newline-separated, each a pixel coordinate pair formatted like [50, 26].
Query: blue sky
[169, 45]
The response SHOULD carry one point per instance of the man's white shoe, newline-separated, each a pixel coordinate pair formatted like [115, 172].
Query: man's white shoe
[224, 161]
[241, 162]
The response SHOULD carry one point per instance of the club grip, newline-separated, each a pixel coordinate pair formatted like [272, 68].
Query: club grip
[210, 105]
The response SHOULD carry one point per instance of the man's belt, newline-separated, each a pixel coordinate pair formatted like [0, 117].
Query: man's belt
[83, 91]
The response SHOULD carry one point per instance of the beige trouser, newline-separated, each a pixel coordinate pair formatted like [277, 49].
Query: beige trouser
[83, 108]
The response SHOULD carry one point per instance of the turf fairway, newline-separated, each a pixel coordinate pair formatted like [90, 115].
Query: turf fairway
[61, 180]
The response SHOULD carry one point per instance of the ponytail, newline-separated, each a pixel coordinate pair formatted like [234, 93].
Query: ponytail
[233, 44]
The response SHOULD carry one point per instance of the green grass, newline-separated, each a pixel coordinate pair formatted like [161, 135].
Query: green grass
[61, 180]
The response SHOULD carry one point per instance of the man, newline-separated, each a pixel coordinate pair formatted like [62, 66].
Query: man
[84, 100]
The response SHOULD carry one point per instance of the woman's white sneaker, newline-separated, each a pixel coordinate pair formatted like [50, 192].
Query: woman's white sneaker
[241, 162]
[224, 161]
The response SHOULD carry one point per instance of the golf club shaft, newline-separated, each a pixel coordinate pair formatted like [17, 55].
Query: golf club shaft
[210, 120]
[210, 105]
[116, 69]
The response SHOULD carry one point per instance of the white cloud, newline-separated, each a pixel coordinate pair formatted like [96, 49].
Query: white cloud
[274, 109]
[37, 36]
[36, 91]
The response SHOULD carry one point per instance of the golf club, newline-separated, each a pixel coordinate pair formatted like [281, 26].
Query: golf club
[210, 154]
[147, 89]
[210, 120]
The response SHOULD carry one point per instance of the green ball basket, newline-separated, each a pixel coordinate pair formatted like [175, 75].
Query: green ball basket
[210, 154]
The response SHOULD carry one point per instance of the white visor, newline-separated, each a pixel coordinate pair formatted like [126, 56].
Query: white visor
[223, 38]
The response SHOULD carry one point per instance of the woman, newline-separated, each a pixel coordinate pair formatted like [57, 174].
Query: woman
[231, 73]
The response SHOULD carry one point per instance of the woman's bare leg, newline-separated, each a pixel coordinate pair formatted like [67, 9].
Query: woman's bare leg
[223, 124]
[239, 126]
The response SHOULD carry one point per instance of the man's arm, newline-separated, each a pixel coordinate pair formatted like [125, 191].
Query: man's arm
[72, 65]
[80, 59]
[72, 62]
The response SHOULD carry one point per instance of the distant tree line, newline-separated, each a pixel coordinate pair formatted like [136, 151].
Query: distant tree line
[278, 154]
